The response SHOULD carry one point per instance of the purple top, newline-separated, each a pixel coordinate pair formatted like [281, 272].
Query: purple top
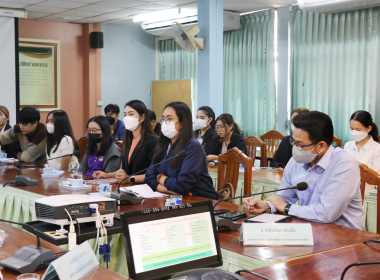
[95, 163]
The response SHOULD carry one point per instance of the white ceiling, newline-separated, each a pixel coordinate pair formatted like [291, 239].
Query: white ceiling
[120, 11]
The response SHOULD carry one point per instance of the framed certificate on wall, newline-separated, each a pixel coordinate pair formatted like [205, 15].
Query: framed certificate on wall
[39, 62]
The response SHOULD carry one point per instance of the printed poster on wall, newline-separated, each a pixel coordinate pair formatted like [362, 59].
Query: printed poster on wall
[39, 73]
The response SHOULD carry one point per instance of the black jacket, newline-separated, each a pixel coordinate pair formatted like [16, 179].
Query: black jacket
[11, 149]
[142, 156]
[157, 129]
[209, 137]
[237, 141]
[283, 153]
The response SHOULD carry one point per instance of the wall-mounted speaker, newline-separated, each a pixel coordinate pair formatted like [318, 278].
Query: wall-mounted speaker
[96, 39]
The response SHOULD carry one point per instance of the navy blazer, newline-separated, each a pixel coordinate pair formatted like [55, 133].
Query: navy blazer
[208, 140]
[191, 176]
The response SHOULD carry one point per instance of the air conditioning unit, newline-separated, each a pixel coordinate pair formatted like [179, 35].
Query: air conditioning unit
[335, 6]
[231, 21]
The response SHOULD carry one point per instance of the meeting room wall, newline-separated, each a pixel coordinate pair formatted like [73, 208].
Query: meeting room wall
[128, 65]
[75, 67]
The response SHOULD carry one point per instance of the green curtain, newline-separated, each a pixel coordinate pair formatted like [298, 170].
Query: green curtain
[249, 73]
[331, 63]
[175, 64]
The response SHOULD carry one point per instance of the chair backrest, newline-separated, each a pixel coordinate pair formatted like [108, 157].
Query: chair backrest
[228, 169]
[252, 142]
[273, 138]
[119, 143]
[338, 141]
[378, 138]
[82, 143]
[369, 176]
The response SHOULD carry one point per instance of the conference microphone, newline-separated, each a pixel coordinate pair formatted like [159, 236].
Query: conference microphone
[124, 198]
[227, 225]
[29, 258]
[21, 180]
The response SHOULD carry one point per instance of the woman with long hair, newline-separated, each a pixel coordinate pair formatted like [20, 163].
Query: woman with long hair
[60, 140]
[102, 153]
[138, 146]
[229, 137]
[186, 175]
[205, 133]
[365, 147]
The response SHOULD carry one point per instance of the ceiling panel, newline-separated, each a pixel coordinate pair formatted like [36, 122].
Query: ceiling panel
[29, 2]
[129, 12]
[106, 17]
[43, 9]
[83, 1]
[12, 5]
[34, 15]
[100, 8]
[128, 21]
[59, 18]
[76, 13]
[61, 4]
[122, 3]
[178, 2]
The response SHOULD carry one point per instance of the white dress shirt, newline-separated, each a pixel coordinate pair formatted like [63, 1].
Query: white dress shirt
[65, 147]
[369, 154]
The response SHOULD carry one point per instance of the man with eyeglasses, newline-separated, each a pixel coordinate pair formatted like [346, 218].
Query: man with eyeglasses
[332, 175]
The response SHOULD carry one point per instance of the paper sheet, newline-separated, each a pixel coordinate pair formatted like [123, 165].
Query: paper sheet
[144, 191]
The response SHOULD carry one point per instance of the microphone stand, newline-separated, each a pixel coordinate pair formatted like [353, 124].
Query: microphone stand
[125, 198]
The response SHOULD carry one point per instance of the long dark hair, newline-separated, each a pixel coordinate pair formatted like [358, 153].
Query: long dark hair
[183, 113]
[62, 128]
[366, 120]
[107, 139]
[209, 113]
[141, 109]
[227, 119]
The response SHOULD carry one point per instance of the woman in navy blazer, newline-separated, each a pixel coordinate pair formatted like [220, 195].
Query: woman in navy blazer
[182, 176]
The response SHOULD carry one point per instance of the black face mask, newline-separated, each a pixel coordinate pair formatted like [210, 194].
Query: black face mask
[94, 138]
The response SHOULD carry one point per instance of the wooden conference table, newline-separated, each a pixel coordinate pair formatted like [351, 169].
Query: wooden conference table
[18, 238]
[327, 237]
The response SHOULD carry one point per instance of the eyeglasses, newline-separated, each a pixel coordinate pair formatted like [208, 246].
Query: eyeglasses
[94, 130]
[298, 146]
[166, 120]
[219, 127]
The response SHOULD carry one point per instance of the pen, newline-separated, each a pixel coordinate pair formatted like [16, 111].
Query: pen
[250, 201]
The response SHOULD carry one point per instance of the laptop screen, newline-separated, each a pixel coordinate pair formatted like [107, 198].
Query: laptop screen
[167, 240]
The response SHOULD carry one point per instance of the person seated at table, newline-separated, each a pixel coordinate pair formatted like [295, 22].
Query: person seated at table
[229, 137]
[188, 175]
[156, 126]
[332, 174]
[30, 133]
[102, 153]
[284, 151]
[60, 140]
[139, 144]
[206, 133]
[365, 147]
[11, 149]
[117, 129]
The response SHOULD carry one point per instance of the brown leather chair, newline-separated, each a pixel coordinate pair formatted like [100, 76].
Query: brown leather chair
[252, 143]
[369, 176]
[228, 169]
[338, 141]
[272, 138]
[83, 142]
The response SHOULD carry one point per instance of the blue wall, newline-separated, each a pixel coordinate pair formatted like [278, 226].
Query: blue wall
[128, 65]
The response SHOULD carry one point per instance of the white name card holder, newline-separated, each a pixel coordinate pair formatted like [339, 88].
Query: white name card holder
[272, 234]
[73, 265]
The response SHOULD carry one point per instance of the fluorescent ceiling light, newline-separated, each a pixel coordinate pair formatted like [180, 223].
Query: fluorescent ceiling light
[168, 14]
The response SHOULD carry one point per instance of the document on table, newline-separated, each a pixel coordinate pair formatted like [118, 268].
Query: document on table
[144, 191]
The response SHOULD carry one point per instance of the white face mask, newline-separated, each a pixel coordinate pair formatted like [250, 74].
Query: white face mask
[201, 124]
[130, 123]
[359, 135]
[169, 129]
[50, 128]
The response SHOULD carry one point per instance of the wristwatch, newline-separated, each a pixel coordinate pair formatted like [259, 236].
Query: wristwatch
[287, 208]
